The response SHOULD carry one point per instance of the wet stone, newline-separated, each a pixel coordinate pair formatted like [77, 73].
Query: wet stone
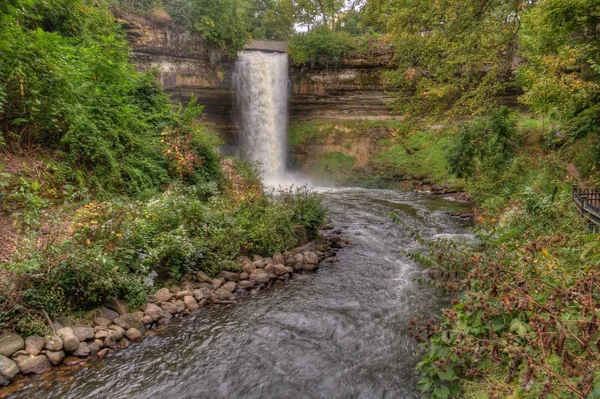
[33, 364]
[55, 357]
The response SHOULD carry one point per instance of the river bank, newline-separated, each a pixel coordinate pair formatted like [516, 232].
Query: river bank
[116, 327]
[343, 329]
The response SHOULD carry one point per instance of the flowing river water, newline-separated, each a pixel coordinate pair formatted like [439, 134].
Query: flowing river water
[338, 333]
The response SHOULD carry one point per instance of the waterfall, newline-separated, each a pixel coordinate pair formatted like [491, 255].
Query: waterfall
[260, 82]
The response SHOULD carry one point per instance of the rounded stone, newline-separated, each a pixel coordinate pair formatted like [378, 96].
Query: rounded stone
[83, 333]
[229, 276]
[162, 295]
[133, 334]
[70, 341]
[55, 357]
[229, 286]
[82, 350]
[33, 364]
[8, 368]
[10, 343]
[53, 342]
[190, 303]
[34, 345]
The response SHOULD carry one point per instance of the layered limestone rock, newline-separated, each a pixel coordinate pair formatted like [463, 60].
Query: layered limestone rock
[354, 88]
[186, 65]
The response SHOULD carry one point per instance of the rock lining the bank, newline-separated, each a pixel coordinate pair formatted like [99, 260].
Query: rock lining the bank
[115, 327]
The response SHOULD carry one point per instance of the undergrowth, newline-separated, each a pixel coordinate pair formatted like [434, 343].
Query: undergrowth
[524, 322]
[123, 248]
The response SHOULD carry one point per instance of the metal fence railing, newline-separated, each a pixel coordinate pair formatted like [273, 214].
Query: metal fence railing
[587, 201]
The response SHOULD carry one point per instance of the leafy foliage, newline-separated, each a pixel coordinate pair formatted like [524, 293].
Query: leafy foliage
[120, 249]
[484, 145]
[452, 56]
[319, 46]
[68, 84]
[562, 76]
[525, 317]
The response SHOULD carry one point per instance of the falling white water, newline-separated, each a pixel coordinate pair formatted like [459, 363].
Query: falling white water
[261, 109]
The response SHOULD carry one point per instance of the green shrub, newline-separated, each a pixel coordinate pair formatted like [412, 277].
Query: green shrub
[319, 46]
[67, 83]
[484, 145]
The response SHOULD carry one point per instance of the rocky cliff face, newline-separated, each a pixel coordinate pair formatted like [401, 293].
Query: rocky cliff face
[354, 89]
[186, 65]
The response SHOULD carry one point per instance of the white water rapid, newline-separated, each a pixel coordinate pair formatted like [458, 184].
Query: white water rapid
[261, 89]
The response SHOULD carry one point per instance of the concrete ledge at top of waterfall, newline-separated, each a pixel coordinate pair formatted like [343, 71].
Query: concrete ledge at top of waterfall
[274, 46]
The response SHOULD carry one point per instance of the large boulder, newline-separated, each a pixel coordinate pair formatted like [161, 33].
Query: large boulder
[10, 343]
[133, 334]
[203, 278]
[230, 276]
[249, 266]
[82, 350]
[180, 306]
[190, 303]
[224, 294]
[311, 258]
[278, 258]
[53, 342]
[218, 283]
[162, 295]
[153, 311]
[34, 345]
[94, 347]
[83, 333]
[108, 313]
[230, 286]
[199, 295]
[298, 259]
[130, 320]
[8, 368]
[259, 276]
[102, 321]
[117, 305]
[270, 268]
[280, 269]
[246, 284]
[55, 357]
[70, 341]
[181, 294]
[33, 364]
[116, 331]
[169, 307]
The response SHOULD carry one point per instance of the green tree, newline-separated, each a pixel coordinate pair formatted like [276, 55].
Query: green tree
[453, 57]
[561, 44]
[226, 23]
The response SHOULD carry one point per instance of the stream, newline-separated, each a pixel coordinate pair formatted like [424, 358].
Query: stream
[338, 333]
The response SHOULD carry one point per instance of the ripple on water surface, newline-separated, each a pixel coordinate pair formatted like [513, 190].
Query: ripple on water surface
[338, 333]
